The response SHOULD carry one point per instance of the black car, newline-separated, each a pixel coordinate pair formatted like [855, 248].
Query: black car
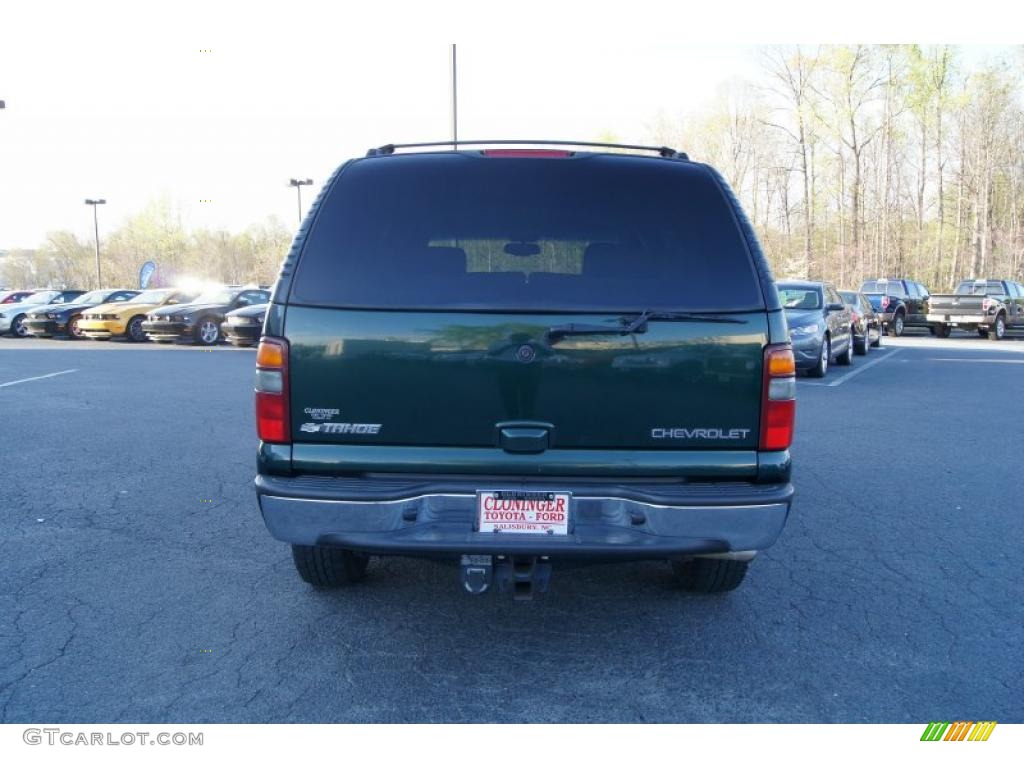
[986, 307]
[62, 319]
[900, 303]
[199, 321]
[867, 326]
[242, 327]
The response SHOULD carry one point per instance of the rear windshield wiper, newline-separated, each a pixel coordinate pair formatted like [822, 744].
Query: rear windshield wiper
[632, 324]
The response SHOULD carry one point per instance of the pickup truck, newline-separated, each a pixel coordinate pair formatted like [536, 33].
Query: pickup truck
[988, 307]
[900, 303]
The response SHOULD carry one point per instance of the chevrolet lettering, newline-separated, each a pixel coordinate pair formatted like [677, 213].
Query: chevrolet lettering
[682, 433]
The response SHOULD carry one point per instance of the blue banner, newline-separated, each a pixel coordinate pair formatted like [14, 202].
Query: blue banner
[146, 273]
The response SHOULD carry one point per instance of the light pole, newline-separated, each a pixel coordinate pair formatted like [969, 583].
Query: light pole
[455, 102]
[96, 228]
[299, 184]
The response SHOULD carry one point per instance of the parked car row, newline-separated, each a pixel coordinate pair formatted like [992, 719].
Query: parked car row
[163, 315]
[200, 320]
[990, 307]
[827, 325]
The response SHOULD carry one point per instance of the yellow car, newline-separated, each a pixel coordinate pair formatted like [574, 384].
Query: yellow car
[125, 318]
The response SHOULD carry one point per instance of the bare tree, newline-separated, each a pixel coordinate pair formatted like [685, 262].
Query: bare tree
[791, 74]
[851, 84]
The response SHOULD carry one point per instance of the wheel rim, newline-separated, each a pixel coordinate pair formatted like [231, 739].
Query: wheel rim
[19, 327]
[824, 356]
[73, 329]
[1000, 327]
[208, 332]
[135, 330]
[899, 325]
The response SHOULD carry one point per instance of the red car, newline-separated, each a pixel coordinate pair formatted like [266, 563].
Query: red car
[13, 297]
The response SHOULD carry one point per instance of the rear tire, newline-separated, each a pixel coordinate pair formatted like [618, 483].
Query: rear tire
[847, 357]
[328, 567]
[896, 328]
[998, 329]
[941, 331]
[878, 339]
[819, 371]
[982, 332]
[709, 576]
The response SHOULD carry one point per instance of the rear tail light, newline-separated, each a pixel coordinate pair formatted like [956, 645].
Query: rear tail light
[856, 317]
[885, 302]
[778, 398]
[986, 304]
[272, 422]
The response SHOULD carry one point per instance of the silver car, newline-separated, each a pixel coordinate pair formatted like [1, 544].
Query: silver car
[820, 325]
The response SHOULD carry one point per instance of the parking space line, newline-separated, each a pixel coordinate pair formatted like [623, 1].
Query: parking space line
[973, 360]
[36, 378]
[859, 369]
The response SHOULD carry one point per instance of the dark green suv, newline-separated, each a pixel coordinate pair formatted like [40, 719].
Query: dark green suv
[516, 357]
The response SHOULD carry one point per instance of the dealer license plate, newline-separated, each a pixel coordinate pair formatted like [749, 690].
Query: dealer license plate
[546, 513]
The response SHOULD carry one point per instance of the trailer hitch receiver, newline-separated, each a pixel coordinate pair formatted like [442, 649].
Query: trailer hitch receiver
[523, 576]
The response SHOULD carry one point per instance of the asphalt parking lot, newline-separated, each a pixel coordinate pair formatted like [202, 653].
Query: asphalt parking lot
[138, 584]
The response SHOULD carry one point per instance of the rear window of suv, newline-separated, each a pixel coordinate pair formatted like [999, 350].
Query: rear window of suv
[972, 288]
[799, 297]
[883, 286]
[591, 233]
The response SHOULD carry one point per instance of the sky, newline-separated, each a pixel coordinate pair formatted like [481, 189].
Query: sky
[156, 105]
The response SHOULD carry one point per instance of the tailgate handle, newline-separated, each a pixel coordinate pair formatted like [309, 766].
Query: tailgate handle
[524, 438]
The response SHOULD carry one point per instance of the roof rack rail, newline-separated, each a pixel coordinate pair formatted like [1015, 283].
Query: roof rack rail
[389, 149]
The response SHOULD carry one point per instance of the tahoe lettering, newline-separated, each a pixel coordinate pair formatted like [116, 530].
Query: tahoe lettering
[341, 429]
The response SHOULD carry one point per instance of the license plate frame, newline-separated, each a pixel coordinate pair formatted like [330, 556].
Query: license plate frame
[524, 512]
